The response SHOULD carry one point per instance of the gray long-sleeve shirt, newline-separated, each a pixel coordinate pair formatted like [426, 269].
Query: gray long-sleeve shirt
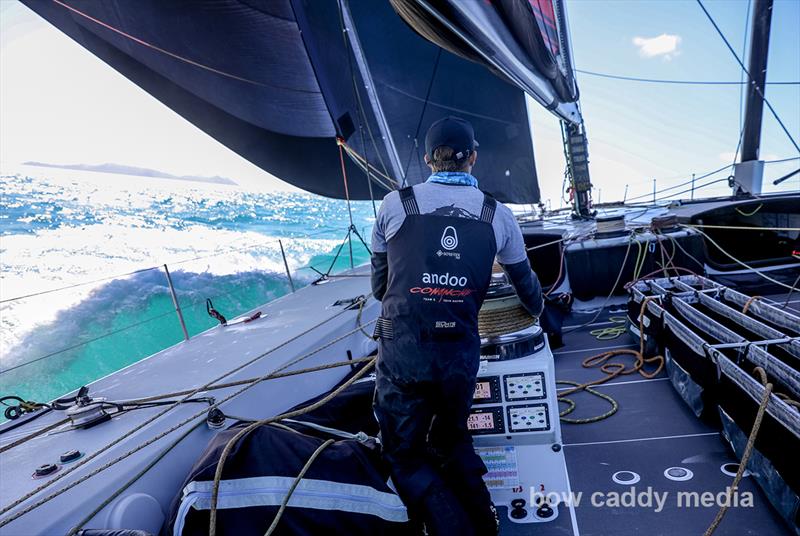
[465, 202]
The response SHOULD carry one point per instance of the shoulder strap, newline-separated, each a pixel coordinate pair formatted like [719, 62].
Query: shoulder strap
[489, 206]
[409, 201]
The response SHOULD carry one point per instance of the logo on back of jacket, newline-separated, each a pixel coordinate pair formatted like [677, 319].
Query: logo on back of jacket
[444, 287]
[449, 242]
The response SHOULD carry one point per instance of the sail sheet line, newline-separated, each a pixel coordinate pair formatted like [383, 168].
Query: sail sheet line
[177, 56]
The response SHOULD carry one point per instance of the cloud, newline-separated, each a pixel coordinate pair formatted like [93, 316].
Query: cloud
[664, 45]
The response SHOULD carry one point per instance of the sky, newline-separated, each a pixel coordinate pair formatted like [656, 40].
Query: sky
[58, 103]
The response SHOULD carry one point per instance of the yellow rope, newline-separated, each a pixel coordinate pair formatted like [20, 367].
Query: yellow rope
[748, 450]
[297, 480]
[212, 527]
[612, 332]
[748, 214]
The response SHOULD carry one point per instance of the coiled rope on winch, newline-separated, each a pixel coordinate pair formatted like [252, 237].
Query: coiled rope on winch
[500, 321]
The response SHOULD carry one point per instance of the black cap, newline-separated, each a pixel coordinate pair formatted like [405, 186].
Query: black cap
[453, 132]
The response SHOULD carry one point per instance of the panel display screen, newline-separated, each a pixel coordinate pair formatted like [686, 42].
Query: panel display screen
[480, 421]
[483, 390]
[487, 390]
[486, 421]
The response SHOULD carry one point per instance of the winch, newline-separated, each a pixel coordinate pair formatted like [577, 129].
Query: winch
[87, 411]
[515, 413]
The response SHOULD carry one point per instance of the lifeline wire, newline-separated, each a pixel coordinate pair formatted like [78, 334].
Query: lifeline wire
[755, 86]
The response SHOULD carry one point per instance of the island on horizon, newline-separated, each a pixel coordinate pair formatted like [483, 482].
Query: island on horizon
[132, 170]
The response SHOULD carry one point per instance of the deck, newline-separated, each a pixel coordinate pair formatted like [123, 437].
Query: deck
[652, 431]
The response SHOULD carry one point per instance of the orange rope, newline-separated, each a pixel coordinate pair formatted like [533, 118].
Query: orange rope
[615, 369]
[749, 302]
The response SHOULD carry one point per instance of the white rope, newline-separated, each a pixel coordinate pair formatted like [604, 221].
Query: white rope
[765, 276]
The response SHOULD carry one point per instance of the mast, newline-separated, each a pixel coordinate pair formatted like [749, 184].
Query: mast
[576, 144]
[369, 86]
[576, 151]
[749, 172]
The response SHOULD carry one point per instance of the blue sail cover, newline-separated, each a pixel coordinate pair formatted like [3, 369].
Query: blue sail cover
[275, 81]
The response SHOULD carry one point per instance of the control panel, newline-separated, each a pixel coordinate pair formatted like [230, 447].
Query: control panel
[515, 401]
[516, 430]
[525, 386]
[486, 421]
[528, 418]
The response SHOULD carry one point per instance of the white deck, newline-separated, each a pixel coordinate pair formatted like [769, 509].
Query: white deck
[184, 366]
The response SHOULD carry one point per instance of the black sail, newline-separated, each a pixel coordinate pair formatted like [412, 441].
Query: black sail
[276, 82]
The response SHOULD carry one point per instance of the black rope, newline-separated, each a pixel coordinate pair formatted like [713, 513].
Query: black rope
[359, 102]
[415, 147]
[685, 82]
[785, 177]
[741, 74]
[749, 76]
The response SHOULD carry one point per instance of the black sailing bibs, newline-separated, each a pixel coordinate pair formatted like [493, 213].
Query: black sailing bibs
[439, 271]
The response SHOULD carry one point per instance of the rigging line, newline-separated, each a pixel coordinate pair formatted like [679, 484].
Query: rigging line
[782, 160]
[679, 185]
[244, 431]
[362, 161]
[349, 210]
[741, 74]
[361, 120]
[785, 177]
[415, 146]
[760, 273]
[176, 56]
[359, 103]
[696, 187]
[742, 227]
[690, 189]
[185, 306]
[31, 295]
[684, 82]
[613, 288]
[749, 76]
[87, 341]
[738, 147]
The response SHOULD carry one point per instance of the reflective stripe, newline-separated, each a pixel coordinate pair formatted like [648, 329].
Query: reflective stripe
[310, 493]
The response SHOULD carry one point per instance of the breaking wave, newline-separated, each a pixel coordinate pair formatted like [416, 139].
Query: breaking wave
[219, 243]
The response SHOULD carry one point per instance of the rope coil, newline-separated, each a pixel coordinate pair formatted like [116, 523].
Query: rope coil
[611, 370]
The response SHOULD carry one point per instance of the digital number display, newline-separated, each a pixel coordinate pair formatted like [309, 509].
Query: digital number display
[480, 421]
[483, 390]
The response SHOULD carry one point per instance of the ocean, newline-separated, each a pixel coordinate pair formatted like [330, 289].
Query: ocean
[83, 287]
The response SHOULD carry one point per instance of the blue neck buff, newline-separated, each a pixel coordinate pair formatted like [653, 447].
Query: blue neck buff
[454, 177]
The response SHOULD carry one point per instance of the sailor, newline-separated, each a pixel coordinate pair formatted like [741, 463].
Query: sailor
[433, 246]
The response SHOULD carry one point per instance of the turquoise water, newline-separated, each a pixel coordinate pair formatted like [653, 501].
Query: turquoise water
[64, 228]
